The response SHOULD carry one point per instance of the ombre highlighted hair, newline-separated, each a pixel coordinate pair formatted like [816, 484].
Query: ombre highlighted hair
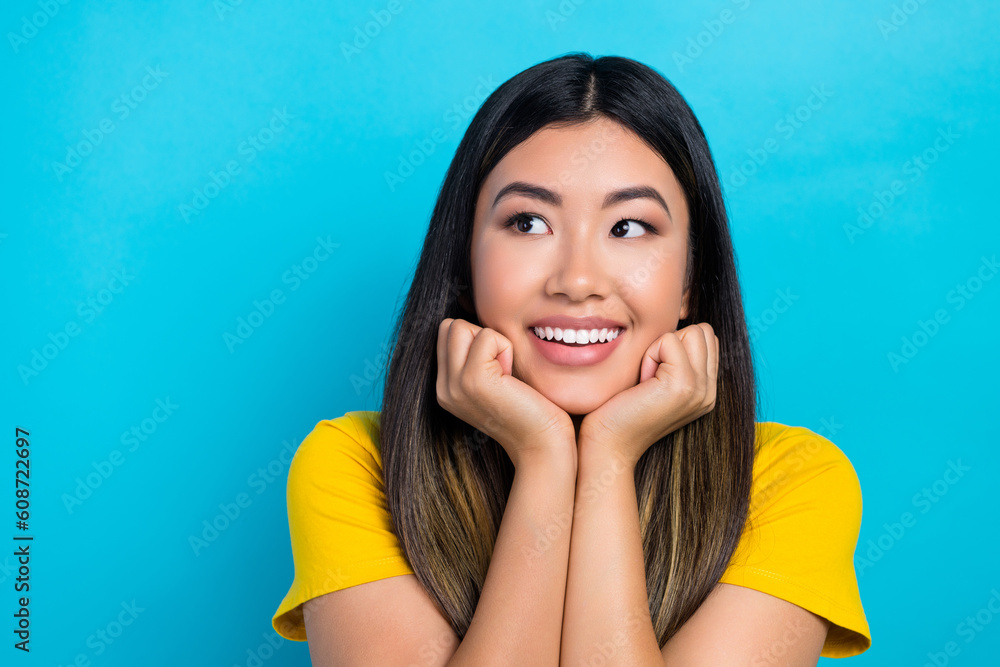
[447, 483]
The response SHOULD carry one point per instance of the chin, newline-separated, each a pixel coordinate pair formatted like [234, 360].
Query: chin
[573, 400]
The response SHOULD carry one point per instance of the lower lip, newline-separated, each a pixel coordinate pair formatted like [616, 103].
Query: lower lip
[574, 355]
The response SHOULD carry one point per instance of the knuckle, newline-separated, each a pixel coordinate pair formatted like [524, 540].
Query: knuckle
[687, 389]
[467, 383]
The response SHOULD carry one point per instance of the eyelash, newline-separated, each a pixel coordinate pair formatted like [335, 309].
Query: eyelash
[522, 215]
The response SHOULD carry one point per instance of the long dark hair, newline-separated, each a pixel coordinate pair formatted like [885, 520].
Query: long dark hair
[447, 483]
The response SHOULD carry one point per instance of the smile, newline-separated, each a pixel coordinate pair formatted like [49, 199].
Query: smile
[577, 336]
[571, 350]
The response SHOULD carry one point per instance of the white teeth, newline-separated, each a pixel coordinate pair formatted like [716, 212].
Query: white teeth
[579, 336]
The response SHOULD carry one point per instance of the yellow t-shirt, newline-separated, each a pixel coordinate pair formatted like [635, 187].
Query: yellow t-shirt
[805, 515]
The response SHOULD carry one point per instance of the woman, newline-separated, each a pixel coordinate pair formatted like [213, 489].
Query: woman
[567, 467]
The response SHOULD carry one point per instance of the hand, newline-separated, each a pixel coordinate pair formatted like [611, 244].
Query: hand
[678, 379]
[475, 384]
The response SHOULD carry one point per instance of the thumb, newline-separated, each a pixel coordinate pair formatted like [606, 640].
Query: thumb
[505, 353]
[651, 361]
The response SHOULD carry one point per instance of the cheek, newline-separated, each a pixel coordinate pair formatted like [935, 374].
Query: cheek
[655, 296]
[501, 287]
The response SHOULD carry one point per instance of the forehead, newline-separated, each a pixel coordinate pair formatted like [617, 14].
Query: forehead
[582, 160]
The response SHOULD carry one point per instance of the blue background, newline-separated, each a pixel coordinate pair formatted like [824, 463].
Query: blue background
[894, 77]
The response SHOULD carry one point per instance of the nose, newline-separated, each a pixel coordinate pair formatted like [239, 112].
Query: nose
[579, 271]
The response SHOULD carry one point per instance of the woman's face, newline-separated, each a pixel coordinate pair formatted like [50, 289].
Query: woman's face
[569, 257]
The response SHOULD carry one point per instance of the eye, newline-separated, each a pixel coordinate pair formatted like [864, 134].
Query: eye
[522, 221]
[627, 225]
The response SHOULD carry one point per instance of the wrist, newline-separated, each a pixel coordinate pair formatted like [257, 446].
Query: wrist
[600, 453]
[553, 454]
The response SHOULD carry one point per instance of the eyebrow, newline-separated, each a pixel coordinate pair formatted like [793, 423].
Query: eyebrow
[554, 198]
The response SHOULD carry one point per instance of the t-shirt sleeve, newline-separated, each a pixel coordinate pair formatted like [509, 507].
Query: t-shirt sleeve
[340, 529]
[799, 544]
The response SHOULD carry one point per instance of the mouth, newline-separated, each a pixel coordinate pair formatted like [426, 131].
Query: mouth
[576, 347]
[577, 337]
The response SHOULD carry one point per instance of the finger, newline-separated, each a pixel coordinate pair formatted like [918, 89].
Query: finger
[667, 359]
[444, 380]
[442, 346]
[713, 363]
[491, 346]
[695, 351]
[706, 336]
[460, 337]
[696, 346]
[712, 366]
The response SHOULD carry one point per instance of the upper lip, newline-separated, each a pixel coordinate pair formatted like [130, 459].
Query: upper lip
[564, 322]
